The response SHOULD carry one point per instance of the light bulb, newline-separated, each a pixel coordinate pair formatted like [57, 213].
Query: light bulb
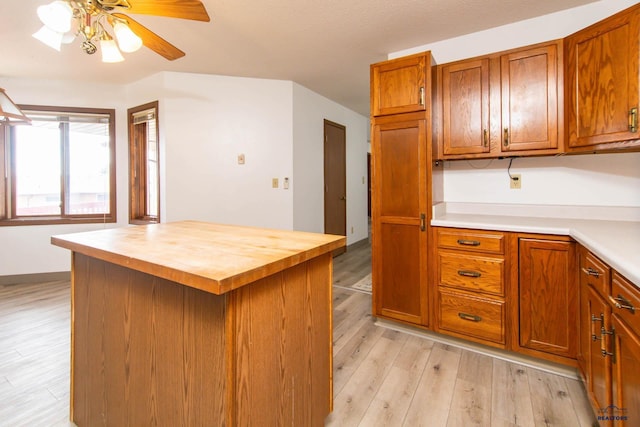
[128, 41]
[110, 51]
[57, 16]
[49, 37]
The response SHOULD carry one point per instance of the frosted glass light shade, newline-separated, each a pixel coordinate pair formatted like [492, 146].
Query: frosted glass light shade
[110, 51]
[49, 37]
[128, 41]
[57, 16]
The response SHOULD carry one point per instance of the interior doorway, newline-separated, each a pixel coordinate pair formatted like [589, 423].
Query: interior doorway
[335, 180]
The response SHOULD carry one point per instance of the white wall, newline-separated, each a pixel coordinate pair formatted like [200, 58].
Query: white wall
[205, 122]
[309, 112]
[583, 180]
[604, 180]
[27, 249]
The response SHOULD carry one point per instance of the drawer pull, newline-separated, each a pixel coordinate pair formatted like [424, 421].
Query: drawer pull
[591, 272]
[467, 273]
[470, 317]
[622, 303]
[468, 242]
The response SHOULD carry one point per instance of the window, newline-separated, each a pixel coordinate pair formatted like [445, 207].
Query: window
[144, 169]
[60, 169]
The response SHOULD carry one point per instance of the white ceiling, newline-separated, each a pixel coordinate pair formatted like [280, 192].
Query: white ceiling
[326, 46]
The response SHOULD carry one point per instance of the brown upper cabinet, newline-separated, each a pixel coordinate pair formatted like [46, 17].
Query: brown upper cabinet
[502, 104]
[398, 86]
[602, 84]
[465, 107]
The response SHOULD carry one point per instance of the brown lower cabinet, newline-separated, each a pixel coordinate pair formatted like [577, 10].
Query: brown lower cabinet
[548, 298]
[508, 290]
[609, 357]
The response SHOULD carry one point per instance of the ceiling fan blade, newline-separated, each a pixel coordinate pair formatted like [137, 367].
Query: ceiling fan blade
[151, 39]
[185, 9]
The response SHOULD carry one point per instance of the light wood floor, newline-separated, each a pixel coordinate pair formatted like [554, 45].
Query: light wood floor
[382, 377]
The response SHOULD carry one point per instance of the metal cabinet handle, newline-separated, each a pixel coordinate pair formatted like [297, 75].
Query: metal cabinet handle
[633, 120]
[594, 319]
[506, 137]
[423, 222]
[485, 138]
[469, 317]
[468, 242]
[622, 303]
[591, 272]
[422, 96]
[468, 273]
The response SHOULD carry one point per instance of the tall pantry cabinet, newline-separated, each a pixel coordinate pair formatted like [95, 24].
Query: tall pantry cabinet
[402, 187]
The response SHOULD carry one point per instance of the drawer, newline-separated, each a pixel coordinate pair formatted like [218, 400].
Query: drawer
[472, 316]
[594, 273]
[471, 240]
[471, 272]
[625, 299]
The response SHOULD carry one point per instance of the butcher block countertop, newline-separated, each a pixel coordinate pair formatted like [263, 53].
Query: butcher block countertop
[215, 258]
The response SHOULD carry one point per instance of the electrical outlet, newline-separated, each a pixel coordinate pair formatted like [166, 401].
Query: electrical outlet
[515, 181]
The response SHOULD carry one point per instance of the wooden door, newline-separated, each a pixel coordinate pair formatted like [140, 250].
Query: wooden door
[602, 80]
[465, 107]
[530, 99]
[399, 236]
[398, 85]
[626, 374]
[335, 181]
[548, 297]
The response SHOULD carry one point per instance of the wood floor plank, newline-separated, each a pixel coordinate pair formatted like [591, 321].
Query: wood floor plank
[580, 401]
[550, 400]
[471, 402]
[432, 399]
[511, 399]
[392, 400]
[353, 400]
[349, 357]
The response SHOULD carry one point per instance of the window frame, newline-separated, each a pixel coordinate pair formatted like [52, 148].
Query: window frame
[8, 175]
[138, 171]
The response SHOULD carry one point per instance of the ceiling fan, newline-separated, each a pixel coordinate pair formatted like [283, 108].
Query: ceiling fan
[64, 20]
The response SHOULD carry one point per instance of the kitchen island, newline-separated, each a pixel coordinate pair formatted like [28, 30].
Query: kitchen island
[193, 323]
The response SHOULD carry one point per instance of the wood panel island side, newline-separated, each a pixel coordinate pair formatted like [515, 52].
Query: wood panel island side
[193, 323]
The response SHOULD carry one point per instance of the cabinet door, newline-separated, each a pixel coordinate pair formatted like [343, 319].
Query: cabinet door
[399, 237]
[602, 80]
[626, 375]
[530, 99]
[465, 107]
[398, 85]
[548, 297]
[597, 364]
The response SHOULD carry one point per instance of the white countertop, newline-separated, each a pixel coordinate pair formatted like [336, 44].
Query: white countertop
[614, 241]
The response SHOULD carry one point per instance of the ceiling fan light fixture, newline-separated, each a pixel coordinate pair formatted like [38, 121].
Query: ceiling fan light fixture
[57, 16]
[49, 37]
[109, 48]
[128, 41]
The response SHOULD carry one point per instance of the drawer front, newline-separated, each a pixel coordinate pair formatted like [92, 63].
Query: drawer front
[625, 299]
[594, 273]
[476, 317]
[471, 240]
[471, 272]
